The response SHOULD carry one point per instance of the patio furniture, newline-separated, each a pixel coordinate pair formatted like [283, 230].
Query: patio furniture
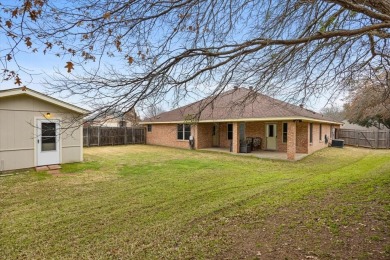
[256, 144]
[246, 145]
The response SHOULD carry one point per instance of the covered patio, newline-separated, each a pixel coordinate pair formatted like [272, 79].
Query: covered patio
[273, 155]
[273, 139]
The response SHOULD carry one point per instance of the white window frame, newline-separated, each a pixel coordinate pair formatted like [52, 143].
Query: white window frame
[184, 132]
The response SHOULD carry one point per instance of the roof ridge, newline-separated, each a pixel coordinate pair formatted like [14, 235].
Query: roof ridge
[223, 93]
[290, 107]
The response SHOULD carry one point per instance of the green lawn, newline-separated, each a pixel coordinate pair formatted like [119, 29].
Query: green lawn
[153, 202]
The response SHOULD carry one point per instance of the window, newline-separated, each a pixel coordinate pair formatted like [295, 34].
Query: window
[149, 128]
[230, 131]
[49, 137]
[285, 127]
[270, 130]
[311, 133]
[320, 132]
[183, 132]
[122, 123]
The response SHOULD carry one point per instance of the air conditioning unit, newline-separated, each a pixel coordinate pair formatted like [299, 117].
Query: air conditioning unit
[339, 143]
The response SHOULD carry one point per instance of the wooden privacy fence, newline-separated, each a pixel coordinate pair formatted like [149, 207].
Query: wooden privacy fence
[100, 136]
[370, 139]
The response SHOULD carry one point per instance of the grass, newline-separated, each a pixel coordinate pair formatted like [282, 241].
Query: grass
[154, 202]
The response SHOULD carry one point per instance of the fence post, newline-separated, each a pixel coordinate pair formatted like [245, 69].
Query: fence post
[377, 140]
[132, 135]
[98, 135]
[87, 136]
[125, 137]
[112, 137]
[358, 138]
[388, 139]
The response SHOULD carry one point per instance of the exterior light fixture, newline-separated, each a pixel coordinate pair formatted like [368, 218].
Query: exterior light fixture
[48, 115]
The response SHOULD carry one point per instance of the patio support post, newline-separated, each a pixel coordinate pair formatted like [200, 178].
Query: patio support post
[194, 133]
[291, 140]
[236, 137]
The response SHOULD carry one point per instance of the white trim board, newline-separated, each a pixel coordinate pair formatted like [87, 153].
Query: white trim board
[265, 119]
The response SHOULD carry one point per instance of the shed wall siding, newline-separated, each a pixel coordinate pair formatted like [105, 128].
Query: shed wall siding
[17, 120]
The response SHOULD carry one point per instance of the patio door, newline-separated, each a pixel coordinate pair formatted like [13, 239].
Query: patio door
[215, 135]
[271, 136]
[47, 146]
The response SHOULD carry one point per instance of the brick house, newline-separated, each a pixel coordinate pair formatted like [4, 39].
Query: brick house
[237, 116]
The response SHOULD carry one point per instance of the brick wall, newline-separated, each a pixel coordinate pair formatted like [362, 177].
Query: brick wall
[318, 144]
[203, 135]
[256, 129]
[291, 140]
[223, 138]
[302, 137]
[166, 135]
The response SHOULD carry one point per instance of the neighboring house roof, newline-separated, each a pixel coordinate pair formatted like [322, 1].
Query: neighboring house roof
[347, 125]
[239, 104]
[38, 95]
[111, 118]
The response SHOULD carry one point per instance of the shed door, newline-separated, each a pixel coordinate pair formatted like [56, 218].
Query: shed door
[271, 136]
[48, 150]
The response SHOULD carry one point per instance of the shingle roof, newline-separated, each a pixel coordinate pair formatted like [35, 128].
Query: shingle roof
[36, 94]
[238, 104]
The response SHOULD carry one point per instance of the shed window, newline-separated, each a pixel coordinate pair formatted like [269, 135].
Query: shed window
[149, 128]
[49, 137]
[183, 131]
[230, 131]
[311, 133]
[285, 127]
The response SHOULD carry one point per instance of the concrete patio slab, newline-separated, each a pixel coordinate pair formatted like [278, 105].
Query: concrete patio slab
[259, 154]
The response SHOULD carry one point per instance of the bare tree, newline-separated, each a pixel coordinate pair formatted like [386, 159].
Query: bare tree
[120, 53]
[153, 110]
[369, 102]
[334, 112]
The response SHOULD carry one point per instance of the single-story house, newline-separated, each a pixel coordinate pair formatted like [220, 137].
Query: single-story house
[237, 116]
[38, 130]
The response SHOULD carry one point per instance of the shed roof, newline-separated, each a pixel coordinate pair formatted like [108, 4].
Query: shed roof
[239, 104]
[36, 94]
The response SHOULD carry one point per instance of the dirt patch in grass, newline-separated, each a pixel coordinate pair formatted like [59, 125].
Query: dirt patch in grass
[330, 228]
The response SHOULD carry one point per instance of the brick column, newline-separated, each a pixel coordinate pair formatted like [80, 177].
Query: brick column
[194, 133]
[291, 140]
[236, 137]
